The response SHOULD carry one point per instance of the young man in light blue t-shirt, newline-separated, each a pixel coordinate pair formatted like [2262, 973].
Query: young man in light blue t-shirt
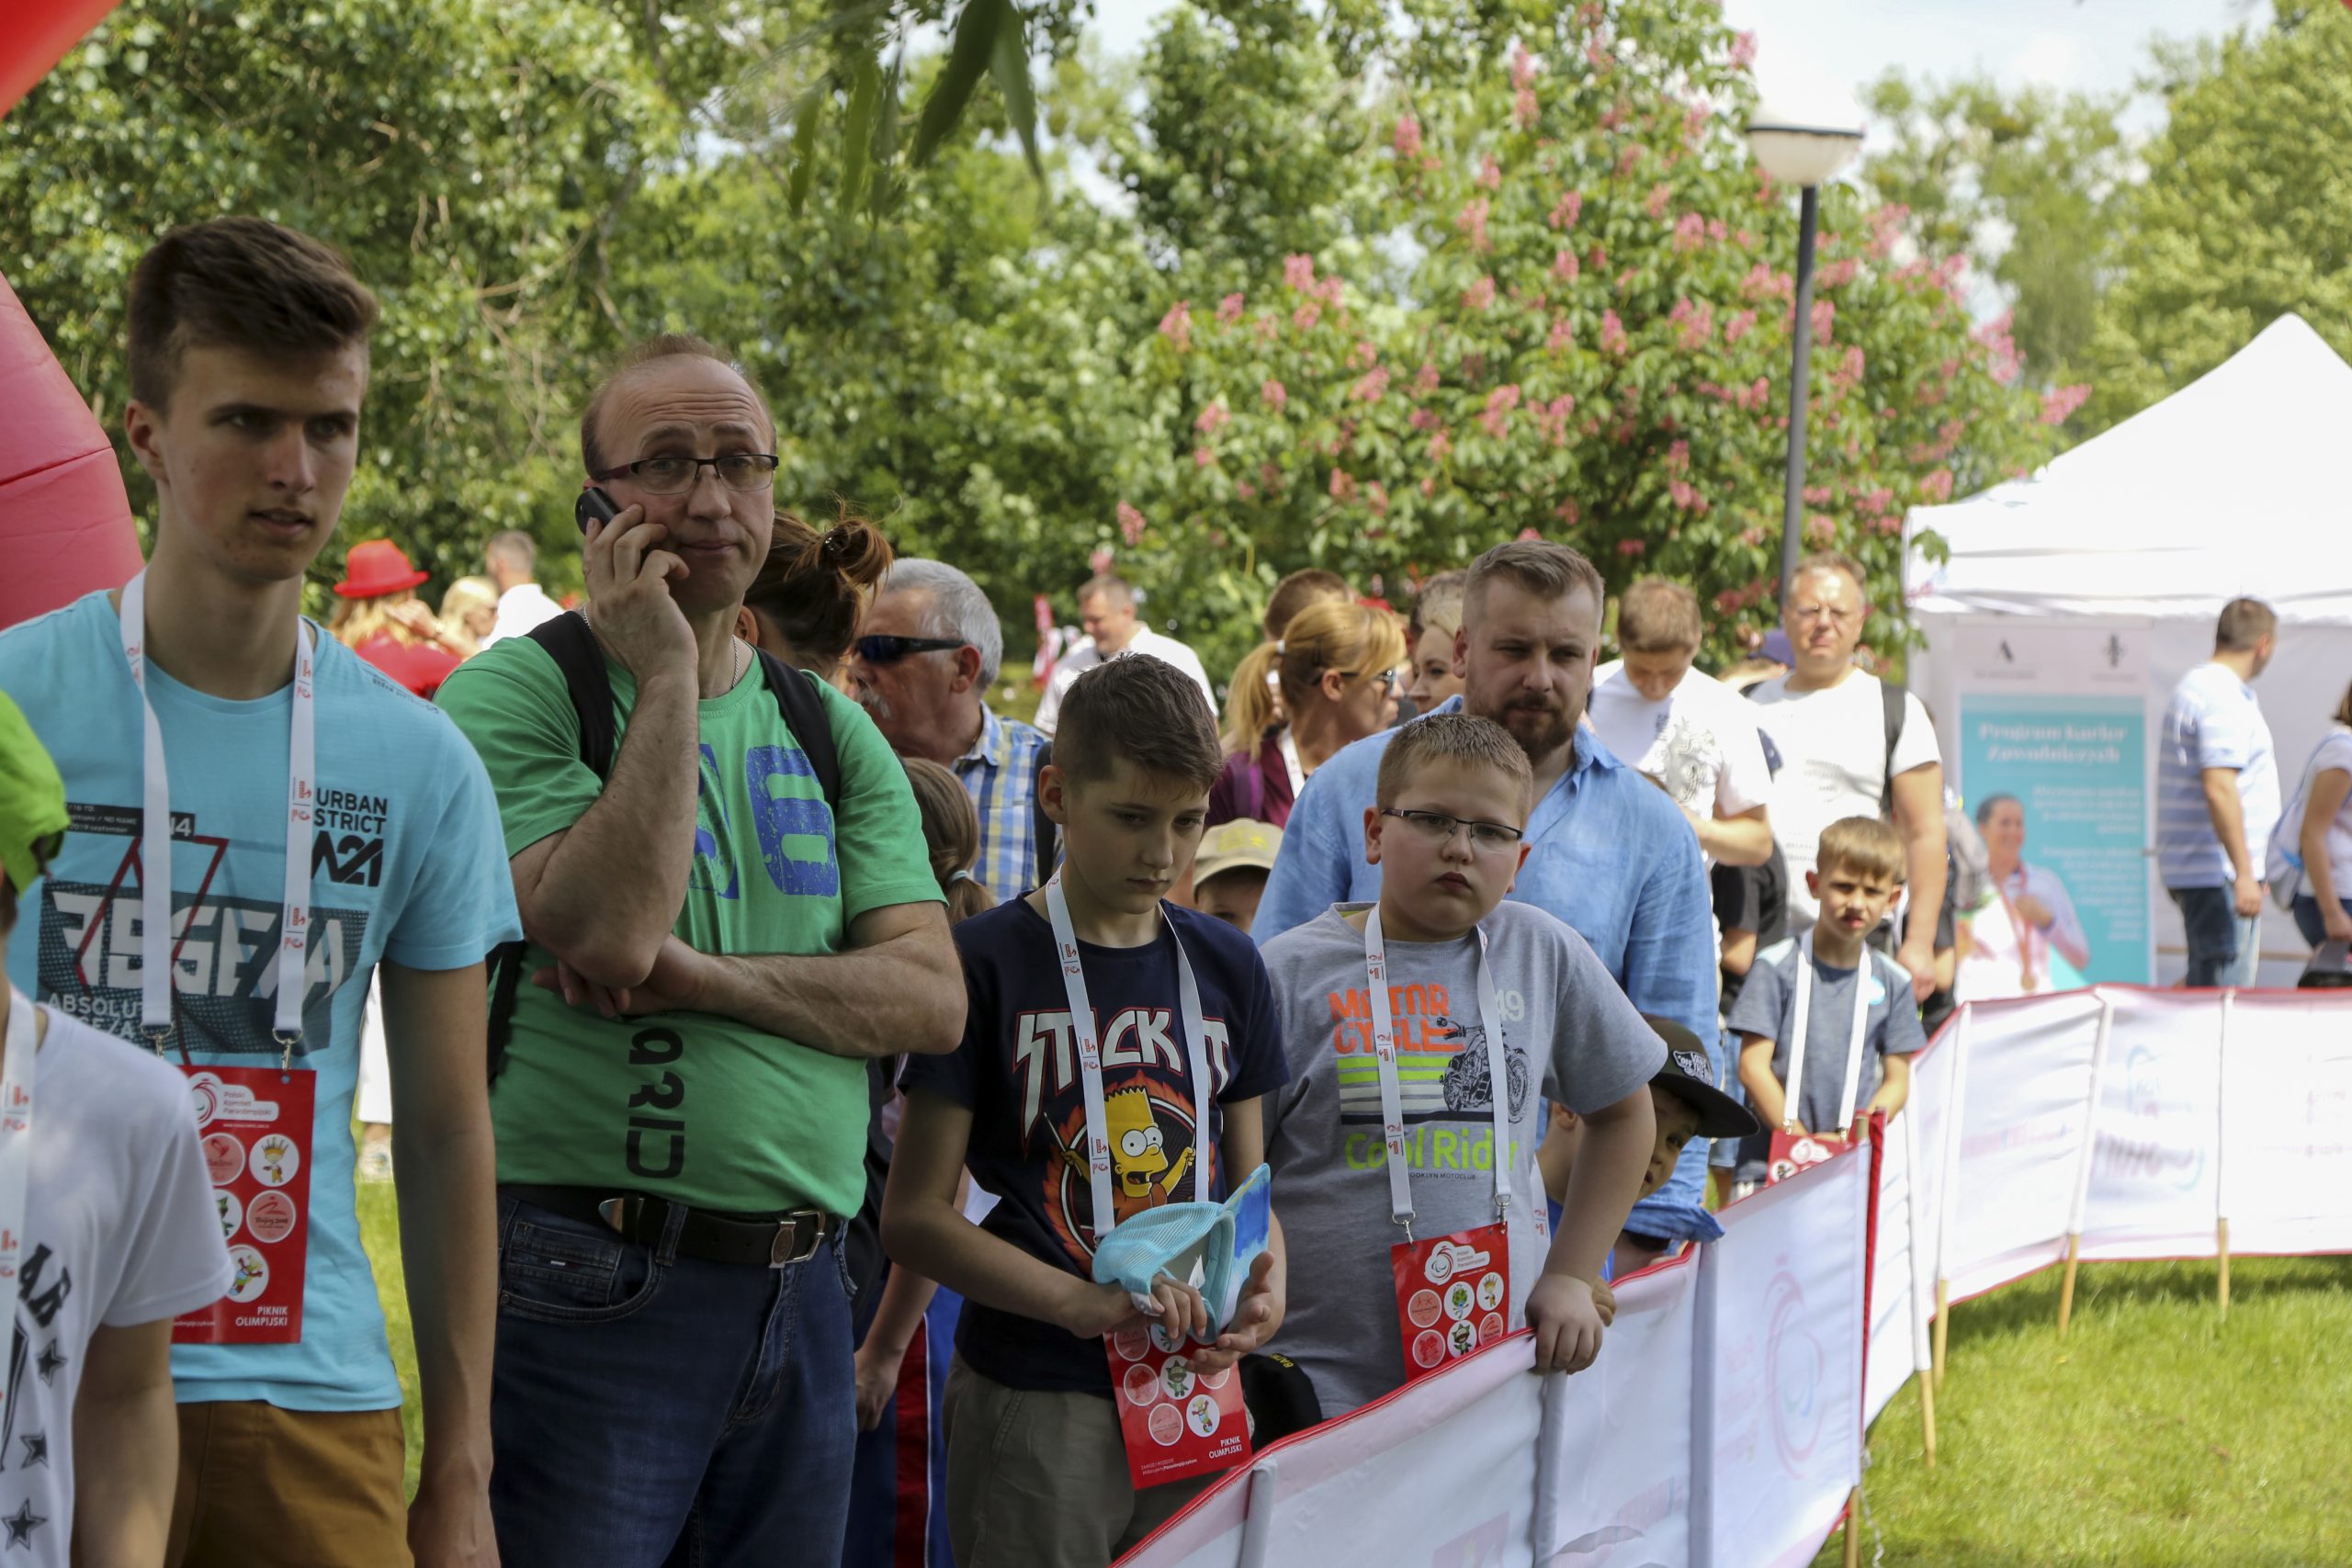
[248, 348]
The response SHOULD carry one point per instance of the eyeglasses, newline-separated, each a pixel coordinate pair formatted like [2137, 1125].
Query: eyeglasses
[675, 476]
[1835, 616]
[890, 650]
[1487, 838]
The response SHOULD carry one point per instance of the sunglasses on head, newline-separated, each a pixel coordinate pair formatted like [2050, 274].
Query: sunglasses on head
[890, 650]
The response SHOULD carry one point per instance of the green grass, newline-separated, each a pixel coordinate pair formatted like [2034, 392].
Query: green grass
[2153, 1434]
[379, 1231]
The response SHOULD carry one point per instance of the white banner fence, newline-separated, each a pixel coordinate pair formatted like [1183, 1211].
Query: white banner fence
[1724, 1424]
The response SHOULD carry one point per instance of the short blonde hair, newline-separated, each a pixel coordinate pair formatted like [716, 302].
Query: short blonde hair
[1453, 738]
[1862, 844]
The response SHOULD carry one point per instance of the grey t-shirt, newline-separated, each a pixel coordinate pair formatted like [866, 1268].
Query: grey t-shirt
[1323, 1129]
[1767, 1006]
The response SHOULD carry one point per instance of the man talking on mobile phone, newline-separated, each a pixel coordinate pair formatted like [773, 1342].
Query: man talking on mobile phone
[728, 909]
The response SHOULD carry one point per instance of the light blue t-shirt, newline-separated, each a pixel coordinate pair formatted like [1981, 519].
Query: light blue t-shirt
[2212, 721]
[407, 865]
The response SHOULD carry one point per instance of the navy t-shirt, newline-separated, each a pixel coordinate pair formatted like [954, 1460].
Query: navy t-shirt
[1017, 1072]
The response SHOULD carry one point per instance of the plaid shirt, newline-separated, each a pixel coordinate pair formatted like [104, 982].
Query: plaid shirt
[1001, 773]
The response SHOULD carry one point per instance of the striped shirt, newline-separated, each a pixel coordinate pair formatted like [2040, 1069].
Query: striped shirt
[999, 772]
[2212, 721]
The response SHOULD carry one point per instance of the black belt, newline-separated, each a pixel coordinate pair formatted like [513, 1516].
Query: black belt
[769, 1241]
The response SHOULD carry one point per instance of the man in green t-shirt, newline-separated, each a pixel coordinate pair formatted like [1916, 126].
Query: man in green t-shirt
[715, 953]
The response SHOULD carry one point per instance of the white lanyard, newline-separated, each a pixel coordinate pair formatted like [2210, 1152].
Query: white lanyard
[155, 960]
[15, 1146]
[1792, 1102]
[1288, 745]
[1392, 1091]
[1089, 1059]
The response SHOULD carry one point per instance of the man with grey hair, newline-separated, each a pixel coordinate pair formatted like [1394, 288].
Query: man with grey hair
[1106, 606]
[511, 557]
[924, 665]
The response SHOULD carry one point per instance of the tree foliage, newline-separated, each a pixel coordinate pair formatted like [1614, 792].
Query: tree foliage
[2024, 184]
[2246, 213]
[1389, 281]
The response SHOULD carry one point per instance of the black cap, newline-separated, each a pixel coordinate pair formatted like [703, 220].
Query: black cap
[1689, 1076]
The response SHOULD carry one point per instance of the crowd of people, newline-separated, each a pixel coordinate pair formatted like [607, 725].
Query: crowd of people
[748, 1011]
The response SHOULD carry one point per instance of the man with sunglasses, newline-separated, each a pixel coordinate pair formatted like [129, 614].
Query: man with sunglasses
[924, 668]
[717, 944]
[1609, 853]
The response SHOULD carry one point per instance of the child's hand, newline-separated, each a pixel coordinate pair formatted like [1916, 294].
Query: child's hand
[1604, 1302]
[1182, 1310]
[1091, 1311]
[1567, 1323]
[1254, 1320]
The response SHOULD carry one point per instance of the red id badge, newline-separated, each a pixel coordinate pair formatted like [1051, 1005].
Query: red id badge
[1175, 1422]
[1452, 1294]
[1792, 1152]
[254, 1126]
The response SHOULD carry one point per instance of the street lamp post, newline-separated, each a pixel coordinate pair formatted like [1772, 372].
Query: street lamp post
[1803, 154]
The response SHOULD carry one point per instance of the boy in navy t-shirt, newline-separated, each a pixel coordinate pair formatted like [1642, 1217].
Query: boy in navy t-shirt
[1036, 1472]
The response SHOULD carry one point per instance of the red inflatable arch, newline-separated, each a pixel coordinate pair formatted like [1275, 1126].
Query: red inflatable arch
[64, 519]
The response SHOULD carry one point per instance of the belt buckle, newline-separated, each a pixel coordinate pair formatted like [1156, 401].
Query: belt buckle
[787, 1247]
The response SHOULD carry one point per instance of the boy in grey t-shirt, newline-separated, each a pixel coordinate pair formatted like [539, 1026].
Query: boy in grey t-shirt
[1858, 872]
[1453, 800]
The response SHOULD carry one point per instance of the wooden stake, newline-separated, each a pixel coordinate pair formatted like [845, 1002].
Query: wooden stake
[1928, 1418]
[2066, 1291]
[2221, 1242]
[1854, 1528]
[1943, 1326]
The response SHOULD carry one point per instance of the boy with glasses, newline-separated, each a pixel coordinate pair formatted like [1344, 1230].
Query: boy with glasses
[1421, 1032]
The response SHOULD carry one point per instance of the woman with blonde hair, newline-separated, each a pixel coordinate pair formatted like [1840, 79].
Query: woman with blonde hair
[1436, 617]
[378, 616]
[1336, 667]
[469, 610]
[805, 605]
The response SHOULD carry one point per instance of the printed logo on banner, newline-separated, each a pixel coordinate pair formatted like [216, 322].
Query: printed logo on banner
[1793, 1368]
[2150, 1155]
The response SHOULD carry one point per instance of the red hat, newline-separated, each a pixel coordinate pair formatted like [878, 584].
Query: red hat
[375, 569]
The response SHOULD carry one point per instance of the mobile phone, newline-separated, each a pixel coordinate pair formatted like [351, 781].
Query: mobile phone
[593, 505]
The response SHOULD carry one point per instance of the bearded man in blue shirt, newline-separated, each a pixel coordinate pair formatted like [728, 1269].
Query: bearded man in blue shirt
[1609, 852]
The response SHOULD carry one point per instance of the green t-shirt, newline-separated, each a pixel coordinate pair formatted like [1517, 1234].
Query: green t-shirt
[692, 1106]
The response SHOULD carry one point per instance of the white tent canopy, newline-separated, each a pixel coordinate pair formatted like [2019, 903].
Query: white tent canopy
[2235, 485]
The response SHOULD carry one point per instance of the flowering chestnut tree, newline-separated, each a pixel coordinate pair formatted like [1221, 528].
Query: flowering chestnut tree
[1576, 323]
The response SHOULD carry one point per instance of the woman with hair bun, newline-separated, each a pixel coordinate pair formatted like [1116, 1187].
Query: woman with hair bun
[1336, 669]
[805, 605]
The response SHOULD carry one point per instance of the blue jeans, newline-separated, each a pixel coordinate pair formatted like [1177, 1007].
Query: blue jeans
[2224, 947]
[2307, 920]
[650, 1409]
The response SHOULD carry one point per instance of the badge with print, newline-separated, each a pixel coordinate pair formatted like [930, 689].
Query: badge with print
[1175, 1423]
[1793, 1152]
[253, 1125]
[1452, 1295]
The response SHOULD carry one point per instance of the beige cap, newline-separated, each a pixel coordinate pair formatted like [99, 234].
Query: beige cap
[1231, 846]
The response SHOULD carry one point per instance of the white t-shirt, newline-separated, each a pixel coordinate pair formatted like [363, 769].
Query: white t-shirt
[1832, 744]
[120, 1229]
[2334, 755]
[1699, 742]
[2213, 720]
[1086, 656]
[520, 609]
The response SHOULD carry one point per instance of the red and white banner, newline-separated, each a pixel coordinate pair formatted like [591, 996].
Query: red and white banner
[1724, 1423]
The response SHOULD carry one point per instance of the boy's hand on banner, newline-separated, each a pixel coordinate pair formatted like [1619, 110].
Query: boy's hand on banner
[1254, 1318]
[1567, 1323]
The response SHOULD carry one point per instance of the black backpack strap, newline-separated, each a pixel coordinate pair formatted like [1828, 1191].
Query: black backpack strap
[1892, 695]
[577, 653]
[1042, 824]
[804, 714]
